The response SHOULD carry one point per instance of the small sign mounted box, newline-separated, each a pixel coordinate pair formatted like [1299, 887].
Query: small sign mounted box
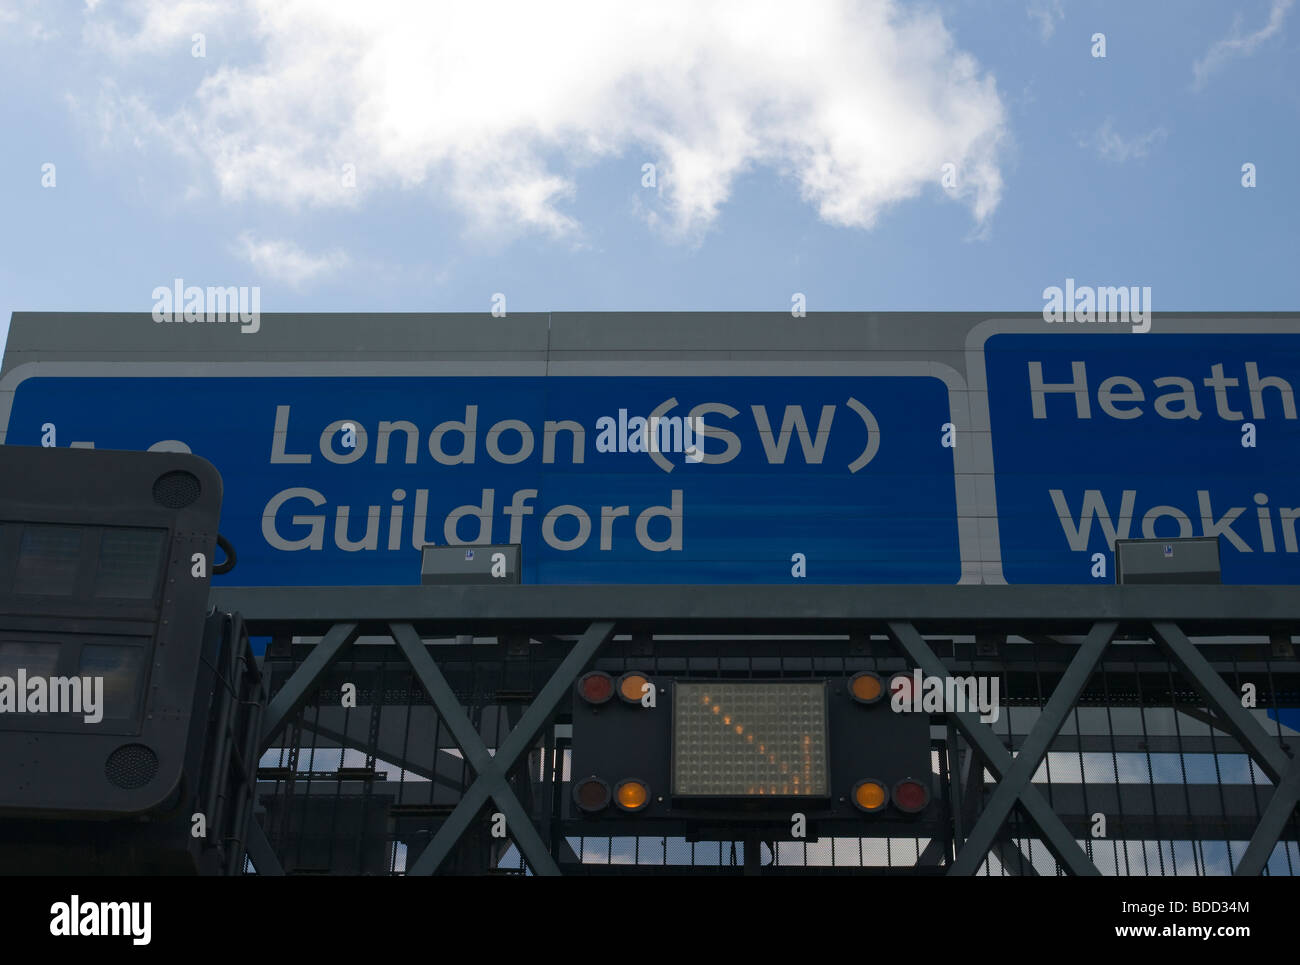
[469, 565]
[1193, 560]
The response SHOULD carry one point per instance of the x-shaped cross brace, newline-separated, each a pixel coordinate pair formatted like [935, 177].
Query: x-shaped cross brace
[1282, 770]
[1014, 775]
[1286, 794]
[490, 772]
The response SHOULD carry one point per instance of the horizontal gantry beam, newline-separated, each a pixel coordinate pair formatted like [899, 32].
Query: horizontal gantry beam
[762, 609]
[1109, 615]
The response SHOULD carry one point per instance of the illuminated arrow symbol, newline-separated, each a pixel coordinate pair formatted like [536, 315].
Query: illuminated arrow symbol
[873, 435]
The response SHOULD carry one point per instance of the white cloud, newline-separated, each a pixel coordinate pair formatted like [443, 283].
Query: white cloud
[285, 261]
[153, 27]
[1115, 147]
[496, 106]
[1048, 13]
[1236, 45]
[20, 21]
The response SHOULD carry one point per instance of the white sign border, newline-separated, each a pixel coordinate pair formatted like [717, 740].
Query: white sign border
[971, 527]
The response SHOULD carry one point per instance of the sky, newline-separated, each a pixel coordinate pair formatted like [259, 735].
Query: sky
[871, 156]
[706, 155]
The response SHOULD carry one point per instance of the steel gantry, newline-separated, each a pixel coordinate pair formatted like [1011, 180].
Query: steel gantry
[1171, 674]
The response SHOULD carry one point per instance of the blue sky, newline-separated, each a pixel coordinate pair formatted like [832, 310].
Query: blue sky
[500, 148]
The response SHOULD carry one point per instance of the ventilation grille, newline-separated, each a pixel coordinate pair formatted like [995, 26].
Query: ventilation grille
[176, 489]
[131, 766]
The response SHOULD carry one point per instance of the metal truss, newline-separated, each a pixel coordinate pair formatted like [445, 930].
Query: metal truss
[1072, 631]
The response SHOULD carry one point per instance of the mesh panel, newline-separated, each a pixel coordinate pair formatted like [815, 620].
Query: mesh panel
[176, 489]
[131, 766]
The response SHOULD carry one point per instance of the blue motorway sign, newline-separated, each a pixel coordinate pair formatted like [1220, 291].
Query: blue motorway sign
[336, 480]
[1098, 436]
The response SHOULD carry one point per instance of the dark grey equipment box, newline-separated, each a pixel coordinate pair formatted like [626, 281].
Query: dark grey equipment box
[1192, 560]
[97, 581]
[459, 565]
